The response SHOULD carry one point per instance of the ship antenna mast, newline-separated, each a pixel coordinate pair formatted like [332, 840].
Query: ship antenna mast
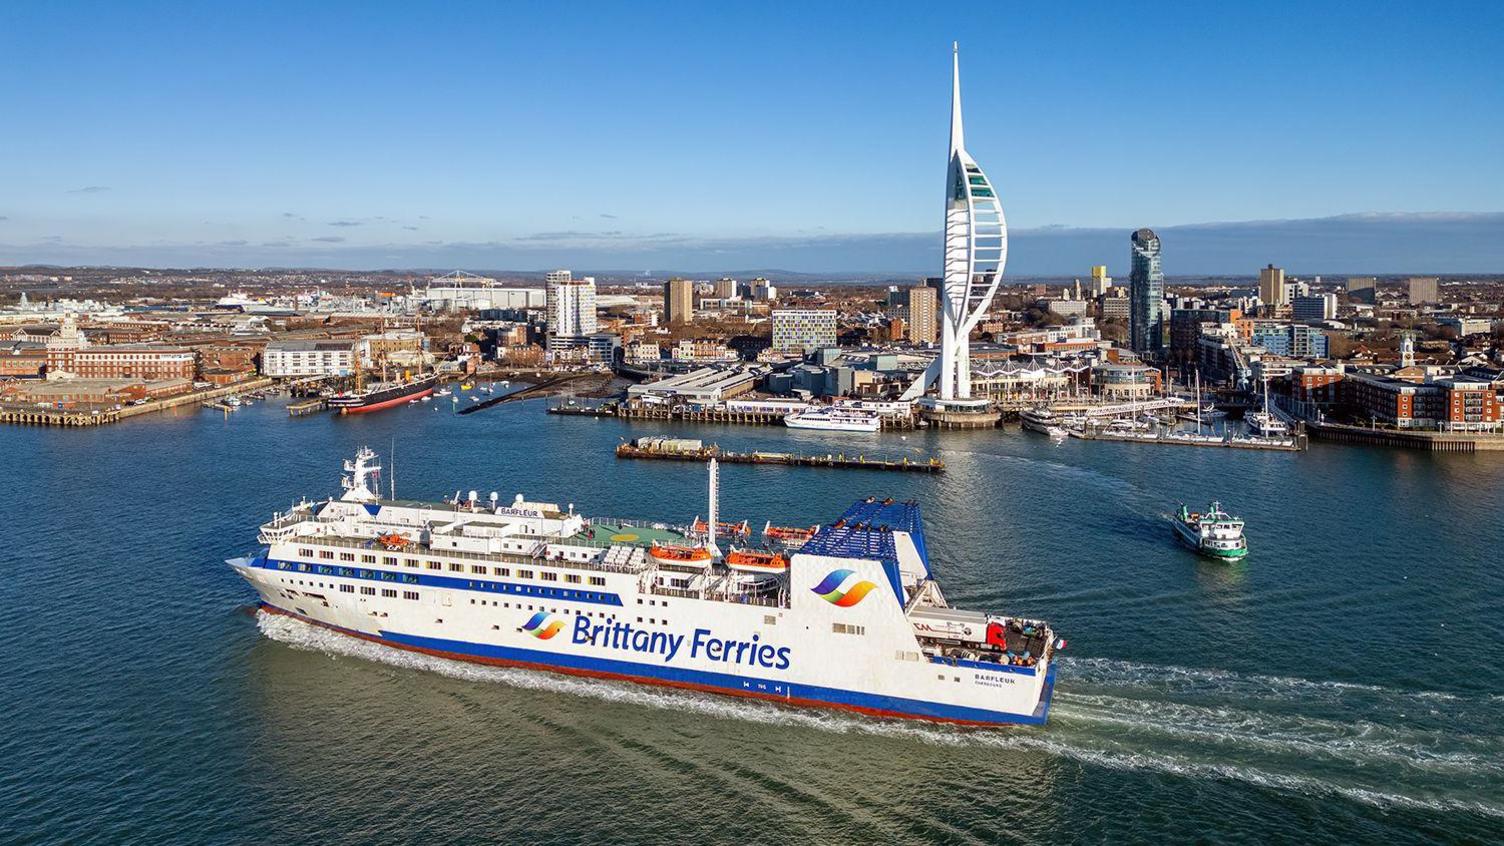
[715, 506]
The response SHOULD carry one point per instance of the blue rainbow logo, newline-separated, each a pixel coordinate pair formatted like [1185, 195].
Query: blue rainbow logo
[829, 588]
[539, 626]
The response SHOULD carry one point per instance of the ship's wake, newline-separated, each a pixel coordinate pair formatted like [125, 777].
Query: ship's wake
[1269, 732]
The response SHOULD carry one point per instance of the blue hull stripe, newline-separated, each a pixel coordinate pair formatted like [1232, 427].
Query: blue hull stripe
[732, 683]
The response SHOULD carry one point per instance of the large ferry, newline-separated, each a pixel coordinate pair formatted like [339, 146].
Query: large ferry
[851, 619]
[384, 394]
[835, 418]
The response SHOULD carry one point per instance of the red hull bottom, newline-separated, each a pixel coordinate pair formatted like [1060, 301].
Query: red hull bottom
[700, 688]
[387, 404]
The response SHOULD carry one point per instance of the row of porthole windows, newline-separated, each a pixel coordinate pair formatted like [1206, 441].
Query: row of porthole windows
[476, 569]
[348, 588]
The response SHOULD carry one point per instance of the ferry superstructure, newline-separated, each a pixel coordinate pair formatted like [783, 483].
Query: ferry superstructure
[852, 620]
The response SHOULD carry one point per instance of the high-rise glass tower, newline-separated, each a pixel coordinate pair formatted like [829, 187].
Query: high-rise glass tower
[1146, 294]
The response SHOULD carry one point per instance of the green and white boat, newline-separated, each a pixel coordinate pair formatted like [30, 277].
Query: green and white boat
[1215, 534]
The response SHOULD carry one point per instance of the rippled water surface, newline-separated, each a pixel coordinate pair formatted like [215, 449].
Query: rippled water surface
[1344, 684]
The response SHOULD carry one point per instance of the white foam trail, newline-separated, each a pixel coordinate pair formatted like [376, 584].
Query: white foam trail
[301, 635]
[1170, 677]
[1361, 742]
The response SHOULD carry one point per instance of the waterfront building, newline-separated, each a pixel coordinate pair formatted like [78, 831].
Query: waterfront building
[678, 301]
[1316, 383]
[570, 311]
[803, 330]
[1272, 292]
[149, 362]
[975, 250]
[1453, 404]
[706, 385]
[1146, 293]
[298, 358]
[1125, 381]
[1314, 307]
[1424, 289]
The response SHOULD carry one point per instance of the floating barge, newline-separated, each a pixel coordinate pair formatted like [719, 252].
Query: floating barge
[683, 449]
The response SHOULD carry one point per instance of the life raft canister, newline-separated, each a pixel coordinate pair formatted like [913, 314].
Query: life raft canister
[997, 635]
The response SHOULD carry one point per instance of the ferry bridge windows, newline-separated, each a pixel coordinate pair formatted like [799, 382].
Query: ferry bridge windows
[477, 568]
[409, 562]
[347, 556]
[572, 578]
[503, 571]
[549, 577]
[306, 552]
[456, 568]
[598, 581]
[367, 559]
[389, 560]
[434, 565]
[326, 553]
[524, 574]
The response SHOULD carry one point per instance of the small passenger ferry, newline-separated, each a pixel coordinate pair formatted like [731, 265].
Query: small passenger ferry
[1215, 534]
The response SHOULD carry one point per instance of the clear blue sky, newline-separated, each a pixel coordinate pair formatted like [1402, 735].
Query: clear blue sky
[409, 133]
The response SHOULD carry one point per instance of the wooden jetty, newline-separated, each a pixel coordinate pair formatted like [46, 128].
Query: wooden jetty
[310, 406]
[788, 459]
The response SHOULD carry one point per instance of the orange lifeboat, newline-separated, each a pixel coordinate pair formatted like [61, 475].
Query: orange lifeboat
[393, 541]
[722, 528]
[680, 554]
[757, 562]
[788, 536]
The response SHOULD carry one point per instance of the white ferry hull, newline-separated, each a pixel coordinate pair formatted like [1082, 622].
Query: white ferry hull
[833, 426]
[864, 674]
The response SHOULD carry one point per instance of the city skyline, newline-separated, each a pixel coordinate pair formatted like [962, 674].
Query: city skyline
[357, 148]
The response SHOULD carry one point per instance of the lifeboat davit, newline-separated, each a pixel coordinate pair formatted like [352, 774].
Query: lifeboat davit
[753, 561]
[680, 554]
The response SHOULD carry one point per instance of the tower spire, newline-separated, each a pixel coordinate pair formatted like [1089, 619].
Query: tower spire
[957, 137]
